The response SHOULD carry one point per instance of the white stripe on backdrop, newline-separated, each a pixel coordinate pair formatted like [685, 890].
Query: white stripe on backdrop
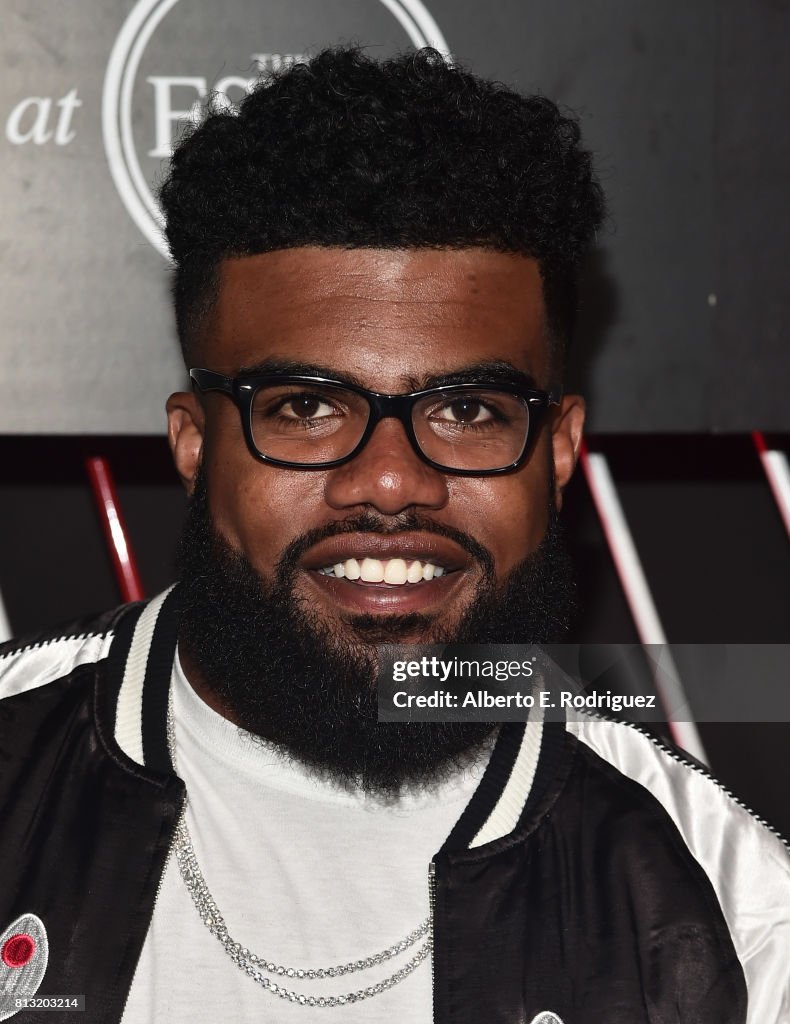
[5, 625]
[778, 472]
[639, 598]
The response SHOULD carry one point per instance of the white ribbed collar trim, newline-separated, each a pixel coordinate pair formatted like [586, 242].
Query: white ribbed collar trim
[129, 712]
[506, 813]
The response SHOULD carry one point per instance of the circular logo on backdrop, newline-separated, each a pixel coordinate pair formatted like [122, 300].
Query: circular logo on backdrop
[170, 55]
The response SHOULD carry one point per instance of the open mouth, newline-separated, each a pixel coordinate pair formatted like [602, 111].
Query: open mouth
[380, 573]
[395, 572]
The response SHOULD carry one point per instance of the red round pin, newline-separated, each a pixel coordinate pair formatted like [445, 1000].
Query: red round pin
[18, 950]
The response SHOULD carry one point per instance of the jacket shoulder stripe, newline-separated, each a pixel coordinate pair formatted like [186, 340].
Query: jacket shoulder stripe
[29, 666]
[747, 864]
[506, 813]
[129, 712]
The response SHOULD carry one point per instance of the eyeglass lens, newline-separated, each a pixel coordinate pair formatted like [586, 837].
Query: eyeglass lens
[309, 424]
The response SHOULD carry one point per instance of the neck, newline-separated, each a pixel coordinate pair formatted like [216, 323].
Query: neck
[198, 683]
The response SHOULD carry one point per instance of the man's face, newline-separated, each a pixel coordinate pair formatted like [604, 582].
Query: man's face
[389, 319]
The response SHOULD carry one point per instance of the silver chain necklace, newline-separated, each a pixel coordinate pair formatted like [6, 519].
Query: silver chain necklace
[255, 966]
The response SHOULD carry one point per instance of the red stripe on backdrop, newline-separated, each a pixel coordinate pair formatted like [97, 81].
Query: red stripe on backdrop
[114, 527]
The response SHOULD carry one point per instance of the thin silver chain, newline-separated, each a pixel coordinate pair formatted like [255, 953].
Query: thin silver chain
[253, 965]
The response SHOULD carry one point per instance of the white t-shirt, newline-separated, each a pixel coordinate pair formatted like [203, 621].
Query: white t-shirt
[306, 874]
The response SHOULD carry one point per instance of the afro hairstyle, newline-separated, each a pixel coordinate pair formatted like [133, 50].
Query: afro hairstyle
[414, 151]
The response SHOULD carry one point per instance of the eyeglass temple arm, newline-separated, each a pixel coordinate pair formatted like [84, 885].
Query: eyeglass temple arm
[208, 380]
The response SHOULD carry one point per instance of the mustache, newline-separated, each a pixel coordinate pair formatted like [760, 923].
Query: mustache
[369, 522]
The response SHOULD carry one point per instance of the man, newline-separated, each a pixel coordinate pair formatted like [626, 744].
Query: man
[203, 819]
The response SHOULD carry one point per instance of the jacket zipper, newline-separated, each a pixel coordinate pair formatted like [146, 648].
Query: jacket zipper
[50, 640]
[181, 812]
[160, 883]
[432, 906]
[699, 769]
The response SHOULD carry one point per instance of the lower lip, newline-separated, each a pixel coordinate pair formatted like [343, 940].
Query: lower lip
[383, 598]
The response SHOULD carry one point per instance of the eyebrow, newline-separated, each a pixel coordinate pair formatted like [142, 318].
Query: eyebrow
[487, 371]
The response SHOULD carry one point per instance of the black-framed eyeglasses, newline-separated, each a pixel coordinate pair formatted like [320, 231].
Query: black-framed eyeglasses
[318, 423]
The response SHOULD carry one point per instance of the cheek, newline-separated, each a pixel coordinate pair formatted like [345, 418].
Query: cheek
[507, 514]
[258, 509]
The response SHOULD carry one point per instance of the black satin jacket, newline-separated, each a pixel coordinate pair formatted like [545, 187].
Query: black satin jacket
[567, 887]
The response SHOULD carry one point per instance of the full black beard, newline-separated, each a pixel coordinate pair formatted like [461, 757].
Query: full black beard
[292, 679]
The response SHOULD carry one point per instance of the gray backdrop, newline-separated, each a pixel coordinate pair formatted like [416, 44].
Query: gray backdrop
[684, 106]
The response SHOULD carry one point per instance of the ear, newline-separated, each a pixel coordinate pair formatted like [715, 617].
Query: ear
[185, 430]
[566, 439]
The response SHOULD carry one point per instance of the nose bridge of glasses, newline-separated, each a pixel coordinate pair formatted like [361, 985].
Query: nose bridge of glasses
[388, 407]
[397, 407]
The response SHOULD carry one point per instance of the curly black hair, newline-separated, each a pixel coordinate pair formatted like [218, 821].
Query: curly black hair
[344, 150]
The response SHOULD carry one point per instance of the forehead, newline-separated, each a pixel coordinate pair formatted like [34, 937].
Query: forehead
[383, 315]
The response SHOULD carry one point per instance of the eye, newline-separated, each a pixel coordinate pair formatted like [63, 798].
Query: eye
[465, 409]
[305, 406]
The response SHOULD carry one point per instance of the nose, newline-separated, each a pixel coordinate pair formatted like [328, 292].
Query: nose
[387, 475]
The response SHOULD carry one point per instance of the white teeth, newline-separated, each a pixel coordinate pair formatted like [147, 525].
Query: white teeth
[414, 574]
[371, 570]
[392, 570]
[395, 571]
